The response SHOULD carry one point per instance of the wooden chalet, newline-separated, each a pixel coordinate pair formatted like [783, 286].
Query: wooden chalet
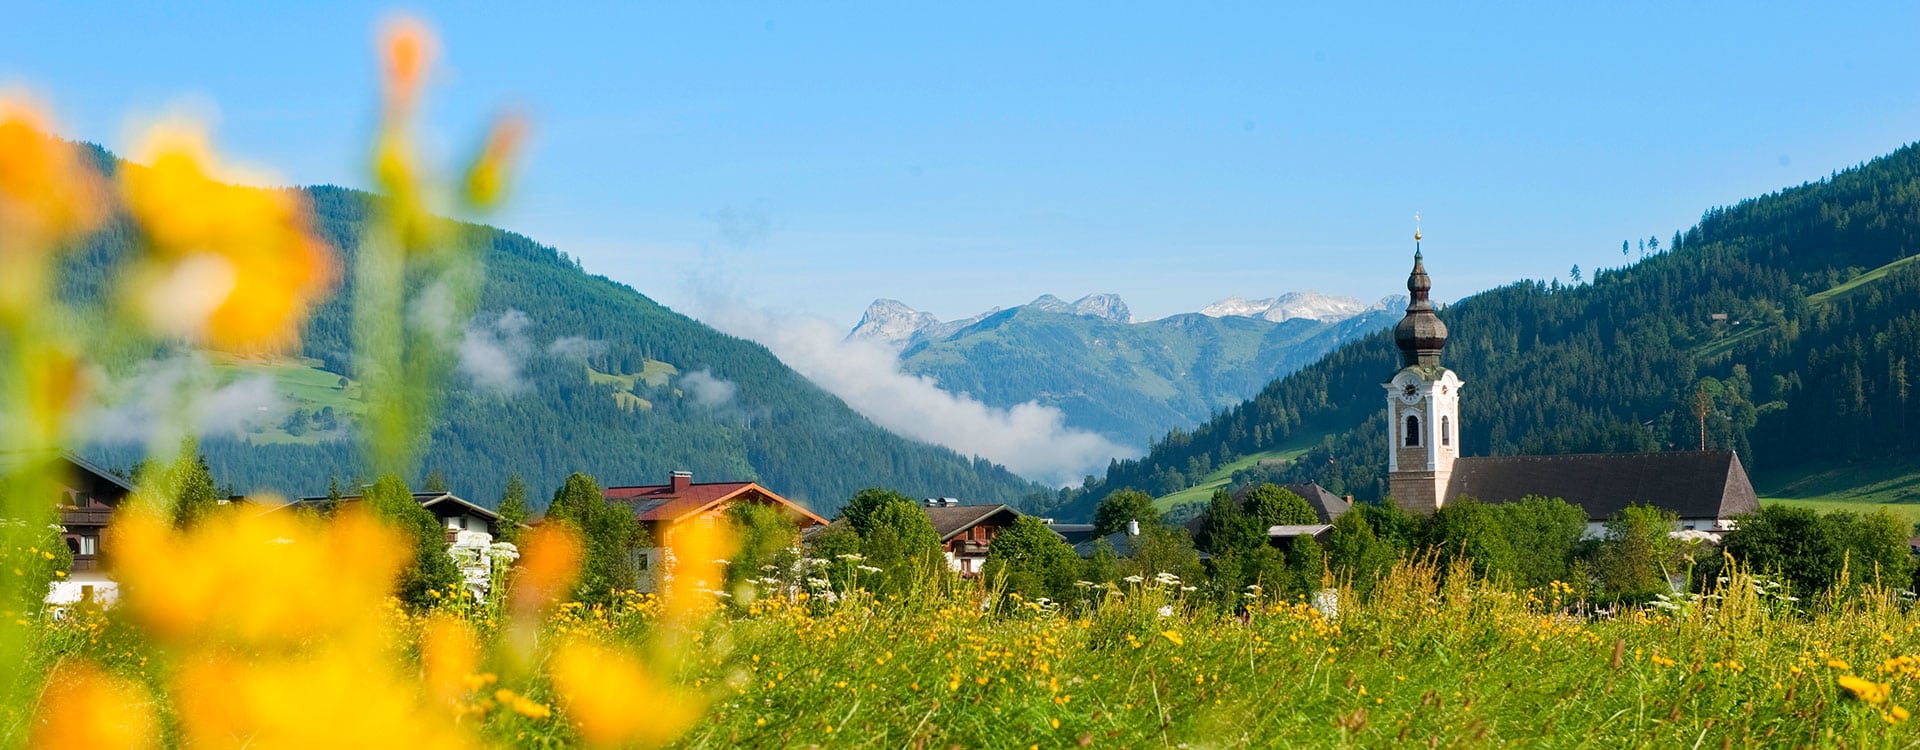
[87, 498]
[660, 507]
[966, 531]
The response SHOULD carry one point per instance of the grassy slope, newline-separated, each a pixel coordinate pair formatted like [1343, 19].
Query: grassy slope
[1223, 476]
[1893, 485]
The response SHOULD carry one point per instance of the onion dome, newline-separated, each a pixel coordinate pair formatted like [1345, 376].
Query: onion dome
[1420, 335]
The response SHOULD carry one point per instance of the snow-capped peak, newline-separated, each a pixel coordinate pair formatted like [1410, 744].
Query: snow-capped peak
[1311, 305]
[892, 322]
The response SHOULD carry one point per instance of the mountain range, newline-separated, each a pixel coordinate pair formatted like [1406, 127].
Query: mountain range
[561, 371]
[1109, 373]
[1784, 327]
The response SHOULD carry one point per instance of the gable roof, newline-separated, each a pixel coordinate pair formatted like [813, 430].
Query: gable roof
[662, 503]
[950, 520]
[85, 472]
[425, 499]
[1326, 505]
[1692, 484]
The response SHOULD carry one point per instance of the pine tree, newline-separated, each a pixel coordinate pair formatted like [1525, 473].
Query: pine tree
[513, 509]
[435, 482]
[191, 483]
[432, 569]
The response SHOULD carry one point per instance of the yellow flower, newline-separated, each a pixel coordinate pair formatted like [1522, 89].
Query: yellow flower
[486, 179]
[449, 658]
[1838, 664]
[329, 697]
[230, 267]
[85, 707]
[698, 550]
[613, 700]
[1866, 690]
[407, 49]
[550, 557]
[249, 577]
[1174, 636]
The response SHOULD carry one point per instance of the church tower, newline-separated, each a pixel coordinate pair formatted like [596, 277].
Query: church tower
[1423, 404]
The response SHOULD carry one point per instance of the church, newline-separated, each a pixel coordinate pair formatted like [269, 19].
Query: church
[1705, 489]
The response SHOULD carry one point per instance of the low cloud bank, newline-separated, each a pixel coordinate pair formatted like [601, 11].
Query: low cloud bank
[1029, 439]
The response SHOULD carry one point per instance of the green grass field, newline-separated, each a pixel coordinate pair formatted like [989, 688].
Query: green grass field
[1862, 279]
[652, 374]
[1223, 476]
[301, 384]
[1893, 485]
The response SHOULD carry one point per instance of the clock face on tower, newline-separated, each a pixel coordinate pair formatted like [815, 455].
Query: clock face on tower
[1409, 394]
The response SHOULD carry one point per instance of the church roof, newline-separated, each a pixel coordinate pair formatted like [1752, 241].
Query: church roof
[1692, 484]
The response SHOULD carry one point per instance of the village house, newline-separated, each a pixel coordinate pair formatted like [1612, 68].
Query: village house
[660, 507]
[966, 531]
[1706, 489]
[89, 495]
[471, 530]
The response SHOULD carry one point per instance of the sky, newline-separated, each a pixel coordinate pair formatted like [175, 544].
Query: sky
[808, 158]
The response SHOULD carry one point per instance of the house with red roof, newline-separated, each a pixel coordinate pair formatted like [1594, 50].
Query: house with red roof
[659, 507]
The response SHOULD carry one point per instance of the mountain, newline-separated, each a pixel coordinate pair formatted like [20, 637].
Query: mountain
[1309, 305]
[562, 371]
[1128, 381]
[1784, 327]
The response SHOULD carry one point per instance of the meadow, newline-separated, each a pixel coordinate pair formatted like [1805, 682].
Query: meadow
[1434, 658]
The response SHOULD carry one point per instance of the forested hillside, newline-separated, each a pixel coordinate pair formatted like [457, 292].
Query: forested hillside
[1128, 381]
[586, 375]
[1785, 325]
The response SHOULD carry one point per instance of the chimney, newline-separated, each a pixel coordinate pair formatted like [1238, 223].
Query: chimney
[1348, 498]
[680, 481]
[1133, 528]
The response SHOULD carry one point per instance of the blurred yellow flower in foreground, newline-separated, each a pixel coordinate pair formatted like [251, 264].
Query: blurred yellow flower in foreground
[325, 698]
[250, 576]
[231, 267]
[614, 701]
[85, 707]
[449, 659]
[550, 557]
[407, 50]
[699, 551]
[48, 195]
[486, 179]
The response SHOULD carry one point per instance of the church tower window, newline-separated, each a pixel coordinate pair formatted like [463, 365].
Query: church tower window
[1446, 436]
[1413, 431]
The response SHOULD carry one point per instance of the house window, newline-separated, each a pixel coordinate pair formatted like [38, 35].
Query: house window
[1446, 430]
[89, 545]
[1413, 431]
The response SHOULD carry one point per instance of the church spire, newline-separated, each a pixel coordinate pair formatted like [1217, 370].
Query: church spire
[1420, 335]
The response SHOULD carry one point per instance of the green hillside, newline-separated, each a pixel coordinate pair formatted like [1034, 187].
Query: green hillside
[1128, 381]
[1797, 314]
[599, 368]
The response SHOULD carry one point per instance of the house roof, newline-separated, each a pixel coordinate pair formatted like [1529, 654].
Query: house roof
[1290, 530]
[663, 503]
[1326, 505]
[950, 520]
[425, 499]
[1692, 484]
[10, 460]
[1074, 533]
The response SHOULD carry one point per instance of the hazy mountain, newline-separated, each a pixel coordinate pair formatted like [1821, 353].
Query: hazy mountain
[1128, 381]
[1309, 305]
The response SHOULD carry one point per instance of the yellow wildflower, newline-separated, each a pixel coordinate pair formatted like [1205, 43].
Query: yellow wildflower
[230, 267]
[550, 559]
[613, 700]
[1174, 636]
[83, 706]
[47, 196]
[449, 658]
[1866, 690]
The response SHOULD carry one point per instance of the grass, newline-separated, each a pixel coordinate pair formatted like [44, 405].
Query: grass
[1893, 485]
[1223, 476]
[301, 384]
[652, 374]
[1858, 281]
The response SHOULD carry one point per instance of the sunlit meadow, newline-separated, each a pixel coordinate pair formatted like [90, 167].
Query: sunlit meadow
[283, 630]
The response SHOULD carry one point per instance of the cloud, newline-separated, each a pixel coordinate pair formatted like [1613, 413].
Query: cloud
[576, 347]
[1030, 439]
[742, 227]
[138, 402]
[707, 389]
[492, 352]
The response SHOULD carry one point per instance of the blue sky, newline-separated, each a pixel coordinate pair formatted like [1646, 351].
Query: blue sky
[811, 157]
